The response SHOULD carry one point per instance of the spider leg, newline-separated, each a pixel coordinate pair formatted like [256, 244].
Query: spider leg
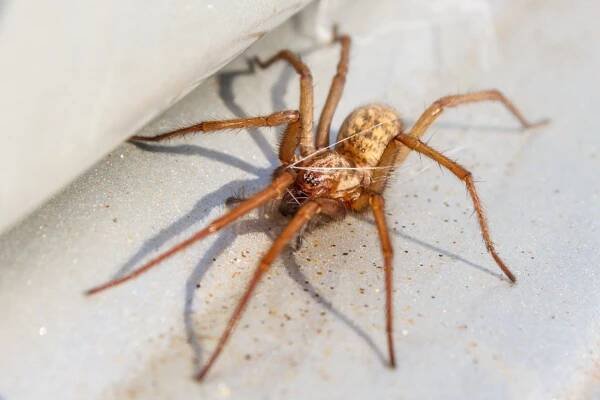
[289, 117]
[389, 158]
[305, 140]
[437, 107]
[274, 190]
[335, 91]
[306, 212]
[377, 205]
[395, 153]
[464, 175]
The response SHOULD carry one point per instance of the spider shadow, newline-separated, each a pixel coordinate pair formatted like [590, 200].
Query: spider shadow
[294, 272]
[280, 89]
[192, 284]
[193, 150]
[453, 256]
[292, 268]
[225, 82]
[202, 207]
[461, 126]
[449, 254]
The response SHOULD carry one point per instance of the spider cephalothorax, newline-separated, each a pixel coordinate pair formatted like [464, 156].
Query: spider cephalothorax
[329, 175]
[316, 178]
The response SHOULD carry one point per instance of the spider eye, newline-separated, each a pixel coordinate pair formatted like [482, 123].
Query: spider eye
[312, 179]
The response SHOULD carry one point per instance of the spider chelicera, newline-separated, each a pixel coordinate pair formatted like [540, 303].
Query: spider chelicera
[316, 178]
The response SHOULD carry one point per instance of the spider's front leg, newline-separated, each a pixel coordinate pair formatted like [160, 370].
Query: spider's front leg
[464, 175]
[304, 125]
[271, 120]
[291, 118]
[335, 91]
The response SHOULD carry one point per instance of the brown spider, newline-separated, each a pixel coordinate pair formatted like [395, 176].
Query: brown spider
[331, 181]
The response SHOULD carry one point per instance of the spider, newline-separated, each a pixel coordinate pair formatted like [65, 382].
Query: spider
[331, 180]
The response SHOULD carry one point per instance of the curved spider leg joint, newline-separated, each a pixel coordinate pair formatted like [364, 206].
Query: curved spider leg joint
[465, 176]
[306, 96]
[438, 106]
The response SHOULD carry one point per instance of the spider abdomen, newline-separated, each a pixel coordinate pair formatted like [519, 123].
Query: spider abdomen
[367, 131]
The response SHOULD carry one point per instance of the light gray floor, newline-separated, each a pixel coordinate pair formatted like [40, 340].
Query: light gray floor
[316, 327]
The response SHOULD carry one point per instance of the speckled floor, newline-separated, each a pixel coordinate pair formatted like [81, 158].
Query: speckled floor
[316, 326]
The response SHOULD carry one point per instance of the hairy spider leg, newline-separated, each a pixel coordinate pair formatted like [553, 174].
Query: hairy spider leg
[288, 142]
[437, 107]
[274, 190]
[395, 153]
[304, 214]
[464, 175]
[335, 91]
[385, 167]
[305, 140]
[377, 205]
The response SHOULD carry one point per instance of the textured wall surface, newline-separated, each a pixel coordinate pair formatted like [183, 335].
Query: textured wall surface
[316, 327]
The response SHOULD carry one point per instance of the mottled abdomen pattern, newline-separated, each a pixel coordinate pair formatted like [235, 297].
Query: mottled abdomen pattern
[370, 129]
